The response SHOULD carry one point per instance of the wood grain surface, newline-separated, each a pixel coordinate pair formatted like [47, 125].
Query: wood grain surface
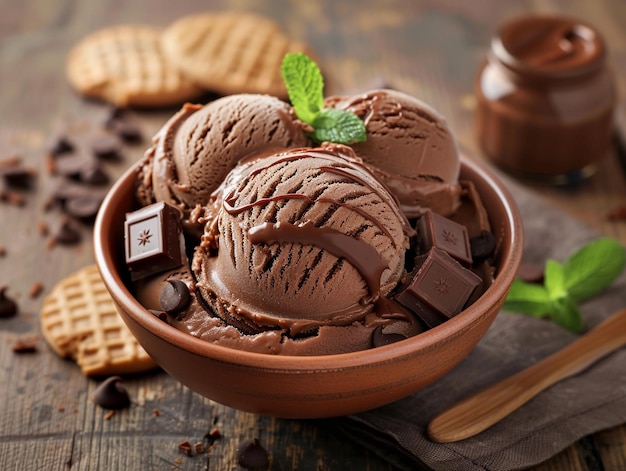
[429, 48]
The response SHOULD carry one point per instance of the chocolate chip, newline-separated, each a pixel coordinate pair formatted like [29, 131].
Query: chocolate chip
[251, 455]
[162, 315]
[19, 176]
[174, 297]
[482, 246]
[66, 233]
[84, 207]
[379, 338]
[110, 394]
[8, 307]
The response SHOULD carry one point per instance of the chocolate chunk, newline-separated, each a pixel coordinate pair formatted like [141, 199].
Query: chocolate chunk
[440, 287]
[185, 447]
[61, 145]
[123, 123]
[251, 455]
[153, 240]
[92, 174]
[84, 207]
[70, 165]
[106, 146]
[174, 297]
[110, 394]
[66, 233]
[482, 246]
[8, 307]
[380, 338]
[445, 234]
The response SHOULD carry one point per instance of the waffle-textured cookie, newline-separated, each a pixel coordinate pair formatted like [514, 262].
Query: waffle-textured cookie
[125, 65]
[79, 321]
[230, 52]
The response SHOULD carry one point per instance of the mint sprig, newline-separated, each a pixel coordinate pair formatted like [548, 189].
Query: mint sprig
[582, 275]
[305, 87]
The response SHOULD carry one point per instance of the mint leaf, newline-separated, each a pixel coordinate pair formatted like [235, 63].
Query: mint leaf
[527, 298]
[585, 273]
[342, 127]
[554, 279]
[305, 85]
[593, 268]
[565, 313]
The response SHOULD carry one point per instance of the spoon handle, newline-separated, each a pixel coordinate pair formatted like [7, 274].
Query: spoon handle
[480, 411]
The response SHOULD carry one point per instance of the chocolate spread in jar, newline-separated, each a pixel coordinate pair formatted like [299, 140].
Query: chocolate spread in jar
[545, 98]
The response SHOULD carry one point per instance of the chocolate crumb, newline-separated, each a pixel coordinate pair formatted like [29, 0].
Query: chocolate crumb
[12, 197]
[26, 345]
[109, 414]
[43, 228]
[8, 307]
[35, 289]
[3, 251]
[251, 455]
[199, 447]
[156, 412]
[61, 409]
[185, 447]
[110, 394]
[10, 161]
[66, 233]
[214, 434]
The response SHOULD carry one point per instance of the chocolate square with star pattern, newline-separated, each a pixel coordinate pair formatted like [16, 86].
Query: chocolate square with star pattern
[438, 231]
[154, 240]
[439, 284]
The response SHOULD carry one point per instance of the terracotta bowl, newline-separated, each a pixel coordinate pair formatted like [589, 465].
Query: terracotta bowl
[314, 386]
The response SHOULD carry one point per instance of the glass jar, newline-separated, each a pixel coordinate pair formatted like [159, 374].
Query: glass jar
[545, 98]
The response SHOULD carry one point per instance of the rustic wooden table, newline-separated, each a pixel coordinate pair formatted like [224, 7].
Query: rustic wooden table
[428, 48]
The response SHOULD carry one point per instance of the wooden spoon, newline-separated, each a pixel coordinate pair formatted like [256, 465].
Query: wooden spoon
[483, 409]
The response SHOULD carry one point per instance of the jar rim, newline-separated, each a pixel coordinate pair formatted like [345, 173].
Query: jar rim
[549, 46]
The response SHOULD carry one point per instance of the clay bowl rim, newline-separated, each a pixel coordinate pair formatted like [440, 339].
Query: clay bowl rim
[510, 260]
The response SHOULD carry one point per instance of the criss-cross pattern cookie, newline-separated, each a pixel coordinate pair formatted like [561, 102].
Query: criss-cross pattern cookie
[79, 321]
[230, 52]
[125, 65]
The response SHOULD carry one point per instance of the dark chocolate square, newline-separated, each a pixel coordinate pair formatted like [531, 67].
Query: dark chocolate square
[440, 284]
[438, 231]
[153, 240]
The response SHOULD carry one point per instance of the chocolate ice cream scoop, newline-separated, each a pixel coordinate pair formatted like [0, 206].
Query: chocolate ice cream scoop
[198, 146]
[408, 144]
[305, 238]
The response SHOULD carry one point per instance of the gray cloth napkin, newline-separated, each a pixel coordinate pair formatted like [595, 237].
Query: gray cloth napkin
[591, 401]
